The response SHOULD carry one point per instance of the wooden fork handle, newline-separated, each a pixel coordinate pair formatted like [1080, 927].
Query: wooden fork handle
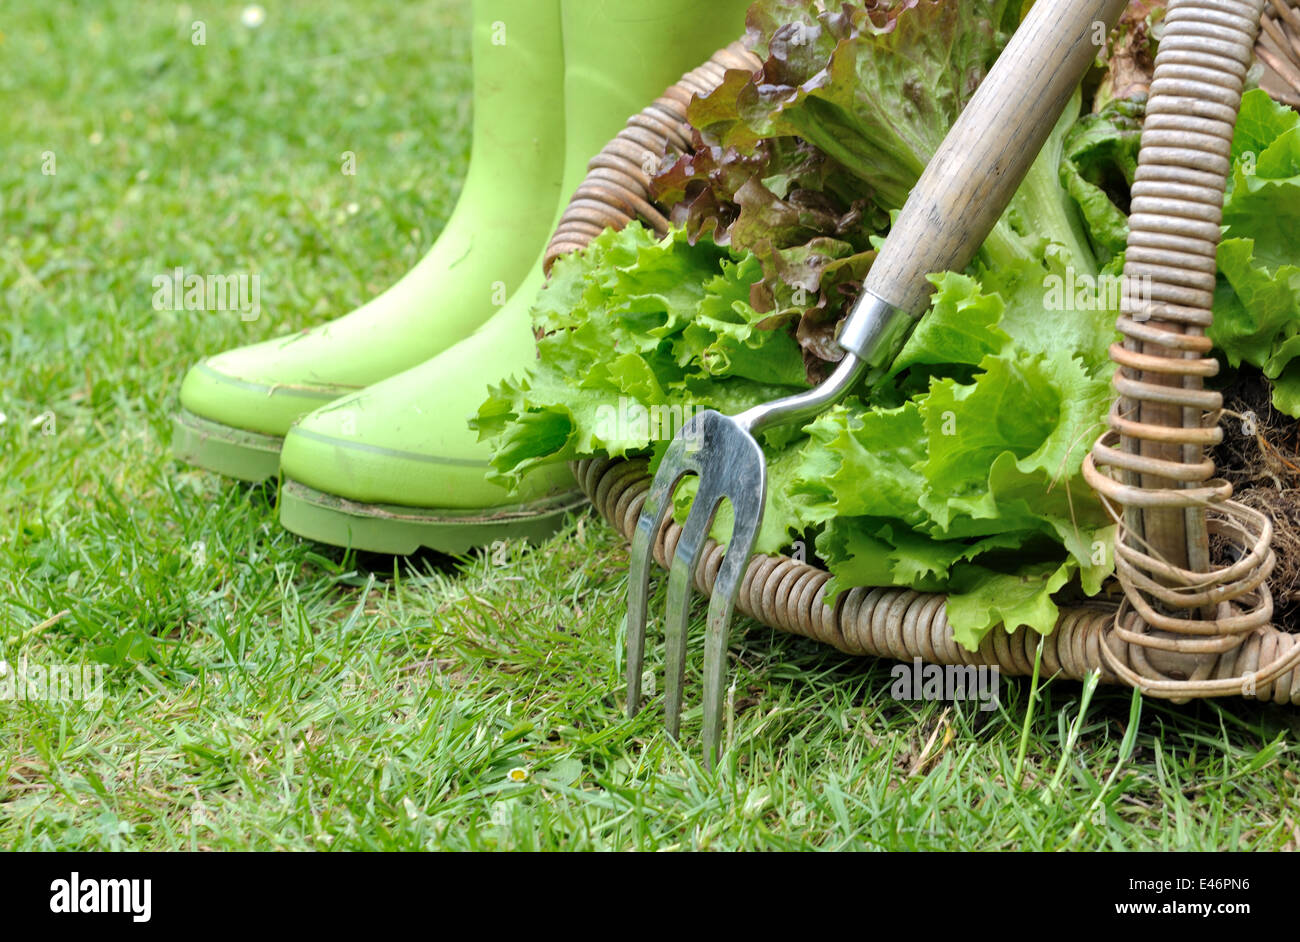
[979, 165]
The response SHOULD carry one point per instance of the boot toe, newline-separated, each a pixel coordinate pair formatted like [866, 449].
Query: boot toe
[368, 448]
[239, 389]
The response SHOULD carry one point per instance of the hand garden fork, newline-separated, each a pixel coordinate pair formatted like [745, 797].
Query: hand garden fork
[949, 213]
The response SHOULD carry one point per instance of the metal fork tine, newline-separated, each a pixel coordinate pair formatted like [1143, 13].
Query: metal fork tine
[679, 600]
[721, 605]
[657, 504]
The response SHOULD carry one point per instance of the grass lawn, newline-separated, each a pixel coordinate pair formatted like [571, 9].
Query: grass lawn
[265, 693]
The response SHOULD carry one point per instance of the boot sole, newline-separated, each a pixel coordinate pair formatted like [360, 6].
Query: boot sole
[234, 452]
[401, 531]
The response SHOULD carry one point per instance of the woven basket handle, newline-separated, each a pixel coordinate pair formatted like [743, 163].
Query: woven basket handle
[979, 165]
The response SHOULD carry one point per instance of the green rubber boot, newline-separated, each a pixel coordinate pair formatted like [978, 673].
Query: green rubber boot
[237, 406]
[396, 467]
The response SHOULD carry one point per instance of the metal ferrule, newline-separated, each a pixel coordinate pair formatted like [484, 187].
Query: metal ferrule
[875, 330]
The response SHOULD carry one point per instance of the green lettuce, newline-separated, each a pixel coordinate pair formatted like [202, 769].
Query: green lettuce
[1257, 300]
[972, 483]
[1257, 304]
[1100, 160]
[636, 332]
[803, 161]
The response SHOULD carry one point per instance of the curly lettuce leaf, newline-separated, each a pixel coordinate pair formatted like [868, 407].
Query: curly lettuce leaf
[1257, 303]
[1100, 160]
[636, 332]
[976, 479]
[980, 599]
[801, 162]
[1263, 198]
[876, 89]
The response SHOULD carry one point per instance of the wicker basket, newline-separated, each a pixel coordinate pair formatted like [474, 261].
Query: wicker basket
[1171, 623]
